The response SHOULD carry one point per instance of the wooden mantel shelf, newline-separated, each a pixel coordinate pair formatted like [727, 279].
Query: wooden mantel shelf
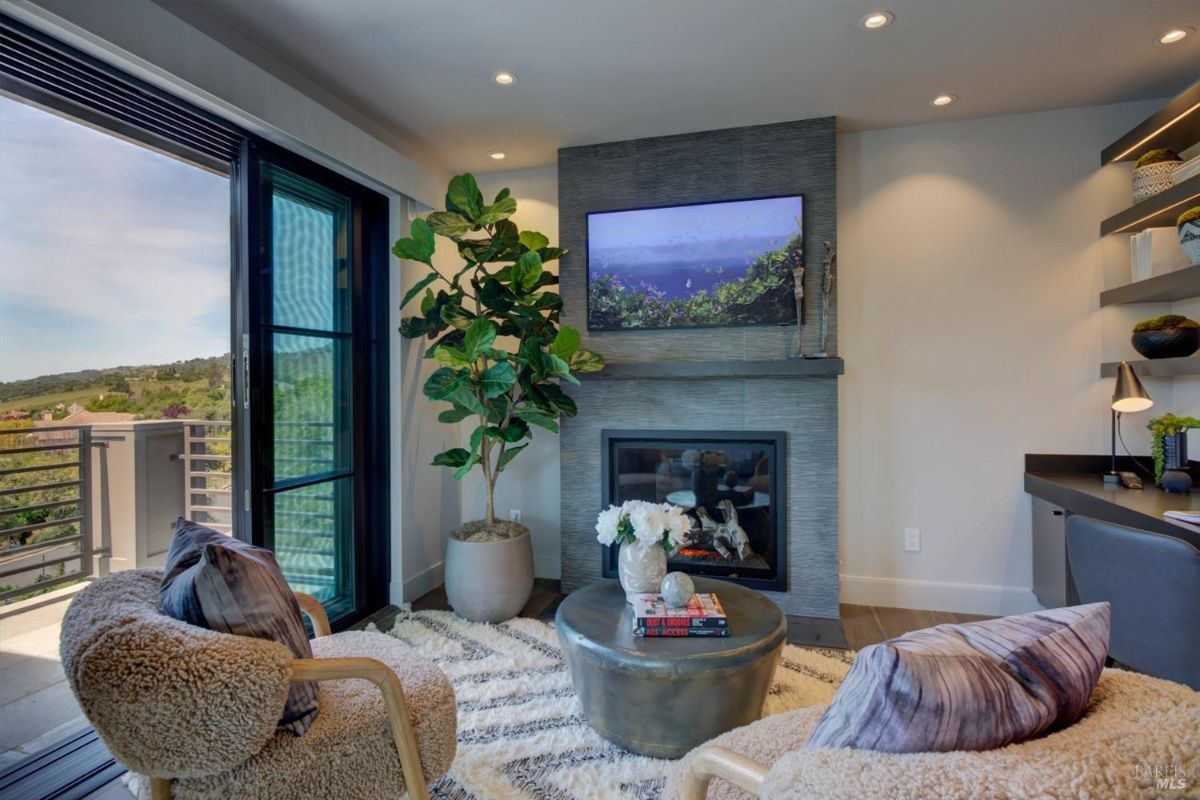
[703, 370]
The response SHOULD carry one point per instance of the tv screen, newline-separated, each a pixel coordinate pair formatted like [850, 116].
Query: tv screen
[695, 266]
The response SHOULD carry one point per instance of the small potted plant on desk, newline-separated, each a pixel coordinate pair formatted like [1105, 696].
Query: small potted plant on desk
[1168, 446]
[494, 331]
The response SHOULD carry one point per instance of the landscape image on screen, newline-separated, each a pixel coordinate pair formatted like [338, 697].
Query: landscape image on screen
[693, 266]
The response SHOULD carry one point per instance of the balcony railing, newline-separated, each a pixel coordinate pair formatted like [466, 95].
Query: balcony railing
[45, 509]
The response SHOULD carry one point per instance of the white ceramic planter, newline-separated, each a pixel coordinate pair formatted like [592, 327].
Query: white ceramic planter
[489, 581]
[641, 568]
[1153, 178]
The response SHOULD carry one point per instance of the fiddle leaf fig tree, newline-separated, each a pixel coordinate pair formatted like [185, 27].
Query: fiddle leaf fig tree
[494, 330]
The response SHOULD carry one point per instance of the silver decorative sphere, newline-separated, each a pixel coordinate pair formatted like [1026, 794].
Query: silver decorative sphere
[677, 589]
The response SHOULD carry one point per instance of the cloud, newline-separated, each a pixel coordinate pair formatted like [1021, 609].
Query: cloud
[110, 253]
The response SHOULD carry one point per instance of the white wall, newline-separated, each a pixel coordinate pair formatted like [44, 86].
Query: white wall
[970, 269]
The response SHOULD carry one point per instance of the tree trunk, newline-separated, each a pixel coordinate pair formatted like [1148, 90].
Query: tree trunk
[491, 501]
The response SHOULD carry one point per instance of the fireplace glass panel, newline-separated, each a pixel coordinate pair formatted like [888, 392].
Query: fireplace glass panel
[730, 485]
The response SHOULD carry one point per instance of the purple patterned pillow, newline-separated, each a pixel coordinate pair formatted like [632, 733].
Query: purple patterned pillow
[969, 687]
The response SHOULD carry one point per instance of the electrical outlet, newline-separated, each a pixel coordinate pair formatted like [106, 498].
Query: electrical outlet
[912, 540]
[514, 514]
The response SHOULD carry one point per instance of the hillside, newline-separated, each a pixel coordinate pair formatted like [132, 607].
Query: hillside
[197, 388]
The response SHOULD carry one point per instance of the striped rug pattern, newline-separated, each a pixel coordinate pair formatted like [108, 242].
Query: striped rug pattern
[521, 733]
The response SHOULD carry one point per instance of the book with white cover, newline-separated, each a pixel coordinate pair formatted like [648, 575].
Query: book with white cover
[1188, 169]
[1139, 262]
[1163, 251]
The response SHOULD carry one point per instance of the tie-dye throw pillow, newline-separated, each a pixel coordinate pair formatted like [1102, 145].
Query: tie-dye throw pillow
[969, 687]
[217, 582]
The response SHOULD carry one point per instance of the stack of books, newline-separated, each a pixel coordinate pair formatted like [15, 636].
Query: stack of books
[702, 616]
[1188, 169]
[1155, 251]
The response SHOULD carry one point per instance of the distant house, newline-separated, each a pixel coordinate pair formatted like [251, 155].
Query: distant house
[50, 431]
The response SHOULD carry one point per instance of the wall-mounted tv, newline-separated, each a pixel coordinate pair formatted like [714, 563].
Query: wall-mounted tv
[695, 266]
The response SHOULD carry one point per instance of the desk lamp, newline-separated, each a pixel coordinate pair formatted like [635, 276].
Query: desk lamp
[1128, 397]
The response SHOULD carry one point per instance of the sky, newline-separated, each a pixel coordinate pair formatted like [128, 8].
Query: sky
[110, 254]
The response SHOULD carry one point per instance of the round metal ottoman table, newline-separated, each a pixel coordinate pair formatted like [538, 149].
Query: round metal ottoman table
[661, 697]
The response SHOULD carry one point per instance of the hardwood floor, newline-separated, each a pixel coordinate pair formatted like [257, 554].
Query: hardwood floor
[861, 625]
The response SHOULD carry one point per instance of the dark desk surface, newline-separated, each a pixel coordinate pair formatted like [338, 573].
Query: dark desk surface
[1090, 496]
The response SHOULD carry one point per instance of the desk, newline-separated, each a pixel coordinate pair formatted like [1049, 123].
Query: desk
[1065, 485]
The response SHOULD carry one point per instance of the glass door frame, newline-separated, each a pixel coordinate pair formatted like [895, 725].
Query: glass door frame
[368, 335]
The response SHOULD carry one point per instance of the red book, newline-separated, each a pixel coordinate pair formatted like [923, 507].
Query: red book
[703, 611]
[682, 632]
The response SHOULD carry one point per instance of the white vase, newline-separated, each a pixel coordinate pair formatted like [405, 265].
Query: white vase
[1189, 240]
[641, 568]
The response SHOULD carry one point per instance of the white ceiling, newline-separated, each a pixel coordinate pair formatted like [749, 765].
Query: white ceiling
[418, 72]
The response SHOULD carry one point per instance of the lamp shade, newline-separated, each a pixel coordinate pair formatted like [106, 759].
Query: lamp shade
[1129, 395]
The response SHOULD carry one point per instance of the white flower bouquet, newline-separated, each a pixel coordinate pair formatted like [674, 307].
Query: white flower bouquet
[643, 523]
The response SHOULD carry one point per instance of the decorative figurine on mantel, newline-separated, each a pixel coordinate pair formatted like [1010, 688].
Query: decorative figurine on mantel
[797, 259]
[827, 281]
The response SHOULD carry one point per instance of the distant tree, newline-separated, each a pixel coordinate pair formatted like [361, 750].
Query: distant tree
[215, 375]
[167, 374]
[110, 402]
[176, 411]
[119, 383]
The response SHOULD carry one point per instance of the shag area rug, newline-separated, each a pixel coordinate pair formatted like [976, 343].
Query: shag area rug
[521, 731]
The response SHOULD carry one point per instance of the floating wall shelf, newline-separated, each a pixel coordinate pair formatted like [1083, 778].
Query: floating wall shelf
[1178, 285]
[1176, 125]
[1156, 368]
[1153, 212]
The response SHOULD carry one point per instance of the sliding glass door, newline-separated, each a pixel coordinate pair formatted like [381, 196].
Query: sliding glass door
[314, 354]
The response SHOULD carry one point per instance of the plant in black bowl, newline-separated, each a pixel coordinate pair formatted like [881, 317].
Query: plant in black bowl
[1168, 336]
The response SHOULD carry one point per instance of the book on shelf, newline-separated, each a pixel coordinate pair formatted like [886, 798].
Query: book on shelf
[1188, 169]
[702, 613]
[1155, 251]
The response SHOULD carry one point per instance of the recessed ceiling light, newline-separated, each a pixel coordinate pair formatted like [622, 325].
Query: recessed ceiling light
[498, 155]
[504, 78]
[1175, 35]
[876, 20]
[944, 99]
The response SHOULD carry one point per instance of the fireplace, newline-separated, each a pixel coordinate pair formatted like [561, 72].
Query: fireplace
[732, 486]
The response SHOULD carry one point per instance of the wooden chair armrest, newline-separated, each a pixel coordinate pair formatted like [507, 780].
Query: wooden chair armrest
[380, 674]
[312, 607]
[719, 762]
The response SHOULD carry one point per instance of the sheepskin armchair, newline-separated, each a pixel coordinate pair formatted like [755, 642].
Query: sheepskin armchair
[196, 710]
[1135, 726]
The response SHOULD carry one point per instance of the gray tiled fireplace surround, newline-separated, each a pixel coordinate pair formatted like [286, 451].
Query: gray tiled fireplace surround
[760, 161]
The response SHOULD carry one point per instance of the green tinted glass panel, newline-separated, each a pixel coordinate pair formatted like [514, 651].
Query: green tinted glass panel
[310, 286]
[313, 533]
[312, 405]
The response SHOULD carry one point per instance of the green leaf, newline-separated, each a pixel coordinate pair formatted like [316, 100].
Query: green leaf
[500, 195]
[463, 196]
[451, 357]
[442, 383]
[495, 296]
[537, 416]
[454, 315]
[526, 271]
[501, 209]
[428, 302]
[480, 335]
[505, 241]
[414, 327]
[451, 458]
[462, 471]
[449, 224]
[558, 399]
[533, 240]
[551, 253]
[477, 438]
[464, 397]
[418, 287]
[511, 434]
[586, 361]
[452, 415]
[498, 379]
[565, 343]
[559, 367]
[419, 246]
[508, 455]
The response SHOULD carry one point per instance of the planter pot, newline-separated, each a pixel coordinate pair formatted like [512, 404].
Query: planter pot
[489, 581]
[1153, 178]
[1189, 240]
[1168, 343]
[641, 568]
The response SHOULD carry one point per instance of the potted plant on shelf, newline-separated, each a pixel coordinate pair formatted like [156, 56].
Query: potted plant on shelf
[1168, 336]
[1154, 172]
[494, 328]
[1168, 446]
[1189, 233]
[646, 533]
